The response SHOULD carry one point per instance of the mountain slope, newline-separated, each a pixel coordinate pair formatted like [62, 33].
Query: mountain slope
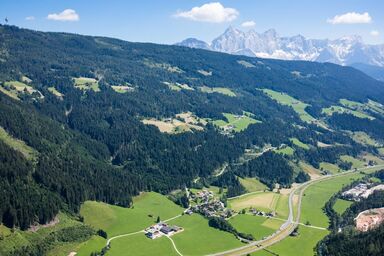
[95, 109]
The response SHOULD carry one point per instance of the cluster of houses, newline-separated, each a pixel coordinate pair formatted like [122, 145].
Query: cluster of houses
[161, 229]
[208, 206]
[261, 213]
[362, 190]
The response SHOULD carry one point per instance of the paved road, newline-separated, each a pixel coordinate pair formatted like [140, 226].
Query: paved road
[287, 228]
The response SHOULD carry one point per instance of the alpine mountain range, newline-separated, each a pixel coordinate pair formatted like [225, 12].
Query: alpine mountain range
[347, 50]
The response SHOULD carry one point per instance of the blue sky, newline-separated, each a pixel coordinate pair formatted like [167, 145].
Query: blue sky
[170, 21]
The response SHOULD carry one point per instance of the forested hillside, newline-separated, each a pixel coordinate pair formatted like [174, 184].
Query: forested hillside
[107, 119]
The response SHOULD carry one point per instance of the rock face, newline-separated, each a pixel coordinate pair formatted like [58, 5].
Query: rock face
[369, 219]
[344, 51]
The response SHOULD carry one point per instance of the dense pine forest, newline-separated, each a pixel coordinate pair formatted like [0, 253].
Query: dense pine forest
[91, 144]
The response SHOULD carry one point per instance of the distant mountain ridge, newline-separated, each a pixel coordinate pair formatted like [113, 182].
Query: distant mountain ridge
[347, 50]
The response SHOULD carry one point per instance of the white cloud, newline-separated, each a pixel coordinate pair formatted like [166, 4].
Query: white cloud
[211, 12]
[351, 18]
[375, 33]
[66, 15]
[248, 24]
[30, 18]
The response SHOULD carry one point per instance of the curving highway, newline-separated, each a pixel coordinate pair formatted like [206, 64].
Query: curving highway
[289, 225]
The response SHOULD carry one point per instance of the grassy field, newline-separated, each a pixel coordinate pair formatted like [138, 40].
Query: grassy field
[371, 105]
[55, 92]
[309, 168]
[86, 83]
[238, 122]
[356, 163]
[285, 99]
[287, 150]
[165, 66]
[298, 143]
[332, 168]
[264, 201]
[178, 87]
[252, 184]
[339, 109]
[282, 210]
[117, 220]
[302, 244]
[318, 194]
[18, 145]
[182, 122]
[221, 90]
[258, 226]
[140, 245]
[341, 205]
[122, 88]
[14, 88]
[363, 138]
[200, 239]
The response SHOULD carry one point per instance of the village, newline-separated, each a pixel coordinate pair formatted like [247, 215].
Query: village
[205, 203]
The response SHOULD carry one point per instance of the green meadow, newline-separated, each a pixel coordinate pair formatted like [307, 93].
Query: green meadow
[318, 194]
[258, 226]
[341, 205]
[263, 201]
[200, 239]
[287, 150]
[221, 90]
[332, 168]
[140, 245]
[339, 109]
[55, 92]
[252, 184]
[285, 99]
[178, 87]
[298, 143]
[86, 83]
[239, 122]
[303, 244]
[356, 163]
[18, 145]
[14, 88]
[117, 220]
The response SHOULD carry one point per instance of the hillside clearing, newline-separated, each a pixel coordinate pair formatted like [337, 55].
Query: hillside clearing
[221, 90]
[86, 83]
[55, 92]
[298, 143]
[122, 88]
[236, 123]
[178, 87]
[18, 145]
[285, 99]
[252, 184]
[183, 122]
